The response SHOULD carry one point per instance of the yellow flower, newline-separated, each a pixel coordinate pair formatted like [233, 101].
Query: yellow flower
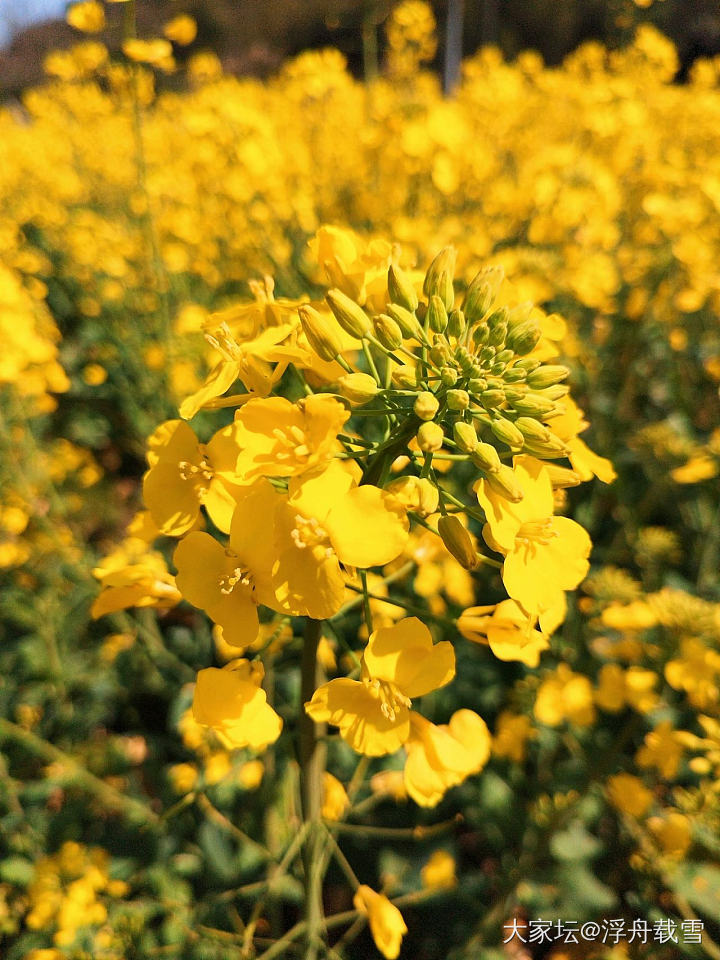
[181, 30]
[663, 749]
[673, 832]
[698, 468]
[544, 555]
[510, 633]
[278, 438]
[439, 872]
[326, 523]
[565, 696]
[441, 757]
[88, 16]
[185, 475]
[618, 688]
[629, 794]
[335, 799]
[134, 576]
[232, 702]
[183, 777]
[399, 662]
[386, 923]
[155, 51]
[585, 462]
[637, 615]
[230, 583]
[511, 735]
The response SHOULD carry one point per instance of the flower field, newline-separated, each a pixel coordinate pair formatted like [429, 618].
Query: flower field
[360, 524]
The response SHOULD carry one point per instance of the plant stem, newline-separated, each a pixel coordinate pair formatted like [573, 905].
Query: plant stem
[312, 768]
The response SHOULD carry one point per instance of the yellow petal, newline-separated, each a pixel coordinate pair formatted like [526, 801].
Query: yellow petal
[222, 376]
[349, 705]
[386, 923]
[368, 527]
[404, 654]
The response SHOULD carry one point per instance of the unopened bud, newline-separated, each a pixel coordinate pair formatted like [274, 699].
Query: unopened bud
[439, 354]
[514, 375]
[439, 277]
[477, 385]
[504, 483]
[408, 322]
[561, 477]
[556, 392]
[426, 405]
[437, 318]
[480, 334]
[482, 291]
[458, 541]
[547, 376]
[528, 363]
[448, 376]
[491, 398]
[532, 429]
[534, 406]
[486, 457]
[523, 337]
[458, 399]
[551, 448]
[351, 317]
[507, 432]
[321, 332]
[357, 387]
[387, 331]
[401, 288]
[430, 437]
[405, 376]
[465, 436]
[416, 494]
[456, 324]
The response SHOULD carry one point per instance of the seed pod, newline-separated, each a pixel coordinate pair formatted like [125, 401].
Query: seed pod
[456, 324]
[322, 334]
[426, 405]
[437, 317]
[408, 322]
[458, 399]
[430, 437]
[357, 387]
[439, 277]
[387, 331]
[547, 376]
[486, 457]
[465, 436]
[504, 483]
[401, 288]
[351, 317]
[507, 432]
[458, 541]
[482, 291]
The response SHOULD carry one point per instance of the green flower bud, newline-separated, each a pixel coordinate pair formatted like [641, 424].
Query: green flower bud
[547, 376]
[456, 324]
[477, 385]
[401, 288]
[448, 376]
[408, 322]
[351, 317]
[439, 354]
[515, 392]
[486, 457]
[532, 429]
[458, 541]
[505, 356]
[491, 398]
[426, 405]
[556, 392]
[482, 291]
[357, 387]
[497, 335]
[505, 484]
[465, 436]
[514, 375]
[528, 363]
[480, 334]
[387, 331]
[437, 318]
[487, 355]
[321, 332]
[430, 437]
[458, 399]
[523, 337]
[532, 405]
[497, 369]
[507, 432]
[439, 278]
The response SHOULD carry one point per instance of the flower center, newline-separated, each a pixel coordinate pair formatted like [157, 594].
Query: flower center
[390, 697]
[223, 340]
[536, 531]
[291, 444]
[239, 575]
[309, 533]
[198, 472]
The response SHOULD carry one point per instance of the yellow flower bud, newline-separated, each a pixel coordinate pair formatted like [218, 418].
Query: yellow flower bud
[465, 436]
[547, 376]
[401, 288]
[532, 429]
[387, 331]
[507, 432]
[437, 317]
[416, 494]
[358, 388]
[456, 324]
[426, 405]
[430, 437]
[351, 317]
[481, 292]
[534, 405]
[503, 482]
[458, 399]
[439, 277]
[407, 321]
[458, 541]
[486, 457]
[321, 336]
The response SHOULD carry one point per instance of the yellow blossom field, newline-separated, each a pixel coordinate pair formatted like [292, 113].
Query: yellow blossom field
[360, 524]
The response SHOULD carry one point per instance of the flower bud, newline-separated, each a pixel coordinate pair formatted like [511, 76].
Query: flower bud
[528, 363]
[561, 477]
[547, 376]
[321, 333]
[533, 406]
[480, 334]
[465, 436]
[405, 376]
[429, 497]
[437, 317]
[523, 337]
[532, 429]
[514, 375]
[504, 483]
[401, 288]
[458, 399]
[515, 392]
[551, 448]
[430, 437]
[486, 457]
[387, 331]
[416, 494]
[556, 392]
[507, 432]
[481, 292]
[505, 356]
[448, 376]
[426, 405]
[477, 385]
[351, 317]
[408, 322]
[456, 324]
[439, 277]
[439, 354]
[458, 541]
[357, 387]
[491, 398]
